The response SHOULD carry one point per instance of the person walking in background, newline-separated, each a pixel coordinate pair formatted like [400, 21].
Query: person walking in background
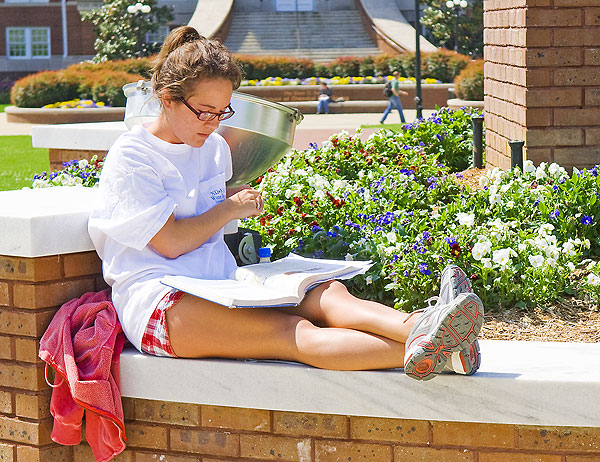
[324, 99]
[393, 93]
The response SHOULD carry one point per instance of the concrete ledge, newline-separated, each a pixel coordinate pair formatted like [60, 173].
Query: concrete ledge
[456, 103]
[16, 114]
[344, 107]
[528, 383]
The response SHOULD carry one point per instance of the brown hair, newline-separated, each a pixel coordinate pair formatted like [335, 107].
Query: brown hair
[187, 56]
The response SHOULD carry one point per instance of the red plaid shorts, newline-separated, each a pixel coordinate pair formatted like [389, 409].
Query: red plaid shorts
[155, 340]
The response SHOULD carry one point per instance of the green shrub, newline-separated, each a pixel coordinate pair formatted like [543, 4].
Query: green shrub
[469, 83]
[443, 65]
[43, 88]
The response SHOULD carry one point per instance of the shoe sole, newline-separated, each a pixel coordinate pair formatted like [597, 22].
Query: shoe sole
[466, 362]
[460, 281]
[458, 329]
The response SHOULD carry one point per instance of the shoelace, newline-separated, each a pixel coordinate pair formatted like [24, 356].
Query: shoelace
[431, 302]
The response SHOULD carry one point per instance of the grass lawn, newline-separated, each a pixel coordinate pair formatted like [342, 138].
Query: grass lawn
[19, 162]
[2, 106]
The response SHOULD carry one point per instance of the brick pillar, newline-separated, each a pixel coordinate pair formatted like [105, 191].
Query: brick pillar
[31, 291]
[543, 80]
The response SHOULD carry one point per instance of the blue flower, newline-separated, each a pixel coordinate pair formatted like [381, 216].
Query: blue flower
[554, 215]
[450, 240]
[587, 220]
[424, 269]
[316, 228]
[394, 259]
[426, 235]
[536, 203]
[377, 229]
[406, 274]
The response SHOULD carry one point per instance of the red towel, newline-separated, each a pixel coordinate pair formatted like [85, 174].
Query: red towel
[83, 344]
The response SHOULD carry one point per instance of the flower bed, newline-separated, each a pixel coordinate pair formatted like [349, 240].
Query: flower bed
[282, 81]
[527, 238]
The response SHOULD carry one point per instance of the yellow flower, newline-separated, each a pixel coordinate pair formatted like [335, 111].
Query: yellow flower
[100, 104]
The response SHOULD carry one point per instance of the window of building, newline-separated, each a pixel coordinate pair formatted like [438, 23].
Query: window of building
[159, 36]
[26, 1]
[28, 42]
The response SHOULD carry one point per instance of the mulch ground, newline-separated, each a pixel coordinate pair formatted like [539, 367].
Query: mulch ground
[570, 320]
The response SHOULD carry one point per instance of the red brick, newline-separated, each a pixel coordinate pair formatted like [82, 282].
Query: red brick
[579, 458]
[337, 451]
[553, 18]
[402, 454]
[573, 3]
[539, 155]
[167, 412]
[576, 117]
[5, 294]
[82, 264]
[146, 436]
[54, 453]
[538, 37]
[592, 96]
[552, 97]
[25, 377]
[165, 457]
[538, 77]
[6, 403]
[551, 57]
[592, 57]
[468, 434]
[21, 431]
[323, 425]
[592, 16]
[592, 136]
[580, 157]
[33, 406]
[48, 295]
[496, 456]
[538, 117]
[577, 77]
[37, 269]
[6, 350]
[278, 448]
[27, 323]
[7, 452]
[83, 453]
[397, 430]
[552, 136]
[214, 443]
[26, 349]
[236, 418]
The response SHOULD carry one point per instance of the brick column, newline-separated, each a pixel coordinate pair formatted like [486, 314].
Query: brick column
[543, 80]
[31, 291]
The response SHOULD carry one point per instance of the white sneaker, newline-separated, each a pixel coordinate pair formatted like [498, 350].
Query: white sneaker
[441, 330]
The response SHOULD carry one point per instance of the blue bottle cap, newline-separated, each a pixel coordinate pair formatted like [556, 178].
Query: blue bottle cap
[264, 252]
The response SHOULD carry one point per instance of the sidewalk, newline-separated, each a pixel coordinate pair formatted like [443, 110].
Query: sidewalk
[314, 128]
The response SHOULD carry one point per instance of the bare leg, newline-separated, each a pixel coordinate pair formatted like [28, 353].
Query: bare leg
[331, 305]
[198, 328]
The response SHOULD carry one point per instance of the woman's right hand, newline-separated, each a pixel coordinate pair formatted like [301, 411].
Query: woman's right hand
[246, 203]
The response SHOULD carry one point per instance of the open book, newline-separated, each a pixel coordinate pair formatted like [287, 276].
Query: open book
[280, 283]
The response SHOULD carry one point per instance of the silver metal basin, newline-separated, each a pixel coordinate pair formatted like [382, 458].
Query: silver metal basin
[259, 134]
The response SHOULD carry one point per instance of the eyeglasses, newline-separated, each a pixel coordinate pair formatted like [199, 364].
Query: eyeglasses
[205, 116]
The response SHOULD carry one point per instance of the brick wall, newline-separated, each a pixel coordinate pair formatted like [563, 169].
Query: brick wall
[32, 289]
[543, 80]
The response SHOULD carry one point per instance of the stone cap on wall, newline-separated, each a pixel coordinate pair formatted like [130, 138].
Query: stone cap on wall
[45, 221]
[525, 383]
[95, 136]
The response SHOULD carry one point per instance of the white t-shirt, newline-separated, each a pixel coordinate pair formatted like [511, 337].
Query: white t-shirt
[143, 181]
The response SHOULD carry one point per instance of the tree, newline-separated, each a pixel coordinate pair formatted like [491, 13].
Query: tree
[455, 28]
[121, 26]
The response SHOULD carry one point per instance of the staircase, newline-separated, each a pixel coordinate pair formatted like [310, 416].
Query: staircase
[320, 36]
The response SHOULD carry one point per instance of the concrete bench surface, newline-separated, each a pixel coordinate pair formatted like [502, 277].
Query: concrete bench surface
[528, 383]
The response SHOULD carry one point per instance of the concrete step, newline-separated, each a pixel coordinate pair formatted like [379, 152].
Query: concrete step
[322, 36]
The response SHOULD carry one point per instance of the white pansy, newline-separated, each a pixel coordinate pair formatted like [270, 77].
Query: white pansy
[510, 204]
[546, 228]
[540, 173]
[320, 194]
[502, 257]
[576, 171]
[504, 188]
[349, 257]
[465, 219]
[487, 263]
[38, 183]
[391, 237]
[339, 184]
[593, 279]
[522, 247]
[483, 181]
[494, 198]
[553, 252]
[586, 243]
[569, 249]
[536, 260]
[369, 279]
[300, 172]
[83, 163]
[551, 262]
[528, 166]
[554, 168]
[480, 250]
[571, 266]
